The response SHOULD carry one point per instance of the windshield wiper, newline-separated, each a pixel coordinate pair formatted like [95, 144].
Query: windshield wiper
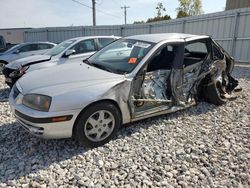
[100, 66]
[86, 61]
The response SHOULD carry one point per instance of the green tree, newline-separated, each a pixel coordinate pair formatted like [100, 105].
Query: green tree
[138, 22]
[157, 19]
[160, 9]
[189, 8]
[182, 14]
[197, 7]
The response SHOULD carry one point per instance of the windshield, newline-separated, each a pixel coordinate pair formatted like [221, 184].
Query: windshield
[121, 56]
[60, 48]
[13, 48]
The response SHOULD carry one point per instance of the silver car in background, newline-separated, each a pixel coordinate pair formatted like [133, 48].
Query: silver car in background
[131, 79]
[24, 50]
[71, 50]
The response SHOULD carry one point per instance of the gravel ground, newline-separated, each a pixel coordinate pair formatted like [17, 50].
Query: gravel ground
[204, 146]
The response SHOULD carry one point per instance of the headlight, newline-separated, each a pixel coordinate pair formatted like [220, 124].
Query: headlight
[37, 102]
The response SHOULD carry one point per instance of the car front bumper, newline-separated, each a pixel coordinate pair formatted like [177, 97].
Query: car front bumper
[49, 125]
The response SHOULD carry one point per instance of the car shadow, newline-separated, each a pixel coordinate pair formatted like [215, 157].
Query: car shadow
[22, 154]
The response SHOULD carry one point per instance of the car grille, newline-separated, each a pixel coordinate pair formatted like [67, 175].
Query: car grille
[15, 92]
[7, 71]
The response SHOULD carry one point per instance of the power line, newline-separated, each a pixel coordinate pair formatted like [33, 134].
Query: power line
[125, 12]
[103, 12]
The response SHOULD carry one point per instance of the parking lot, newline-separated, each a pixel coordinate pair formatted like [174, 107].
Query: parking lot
[203, 145]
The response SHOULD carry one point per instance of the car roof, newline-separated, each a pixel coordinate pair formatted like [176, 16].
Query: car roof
[156, 38]
[91, 37]
[38, 42]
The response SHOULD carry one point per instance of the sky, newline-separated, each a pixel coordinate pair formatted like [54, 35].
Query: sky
[51, 13]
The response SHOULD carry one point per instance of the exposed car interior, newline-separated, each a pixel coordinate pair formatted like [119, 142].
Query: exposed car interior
[194, 53]
[156, 87]
[163, 59]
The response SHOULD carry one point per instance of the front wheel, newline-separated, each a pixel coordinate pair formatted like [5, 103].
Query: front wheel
[97, 124]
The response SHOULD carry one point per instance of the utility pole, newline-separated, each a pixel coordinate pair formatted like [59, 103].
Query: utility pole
[125, 12]
[94, 12]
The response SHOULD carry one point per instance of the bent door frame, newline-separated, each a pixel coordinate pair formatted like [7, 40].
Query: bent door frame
[140, 76]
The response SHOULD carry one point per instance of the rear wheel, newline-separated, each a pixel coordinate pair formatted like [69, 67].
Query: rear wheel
[220, 89]
[215, 93]
[97, 124]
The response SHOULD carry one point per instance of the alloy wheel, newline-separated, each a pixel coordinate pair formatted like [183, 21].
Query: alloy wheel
[99, 125]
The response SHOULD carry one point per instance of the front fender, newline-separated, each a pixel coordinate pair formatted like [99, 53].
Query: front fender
[75, 96]
[118, 91]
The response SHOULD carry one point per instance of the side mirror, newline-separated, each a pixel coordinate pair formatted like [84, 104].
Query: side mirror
[69, 52]
[129, 45]
[16, 52]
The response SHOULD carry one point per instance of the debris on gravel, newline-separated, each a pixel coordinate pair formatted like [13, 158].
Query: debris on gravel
[203, 146]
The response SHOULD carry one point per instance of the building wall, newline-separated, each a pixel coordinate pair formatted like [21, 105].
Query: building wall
[235, 4]
[230, 28]
[13, 36]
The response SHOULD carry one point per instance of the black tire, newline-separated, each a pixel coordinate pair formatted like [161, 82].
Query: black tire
[213, 94]
[80, 124]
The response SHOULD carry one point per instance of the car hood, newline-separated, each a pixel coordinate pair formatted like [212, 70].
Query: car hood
[67, 77]
[5, 57]
[29, 61]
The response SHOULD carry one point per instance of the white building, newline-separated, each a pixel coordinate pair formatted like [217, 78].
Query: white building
[13, 35]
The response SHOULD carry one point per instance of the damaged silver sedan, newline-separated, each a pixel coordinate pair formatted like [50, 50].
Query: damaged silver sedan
[131, 79]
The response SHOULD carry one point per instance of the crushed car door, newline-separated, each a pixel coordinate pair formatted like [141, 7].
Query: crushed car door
[152, 90]
[196, 55]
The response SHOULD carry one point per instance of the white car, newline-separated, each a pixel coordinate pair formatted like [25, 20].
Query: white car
[90, 100]
[24, 50]
[66, 52]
